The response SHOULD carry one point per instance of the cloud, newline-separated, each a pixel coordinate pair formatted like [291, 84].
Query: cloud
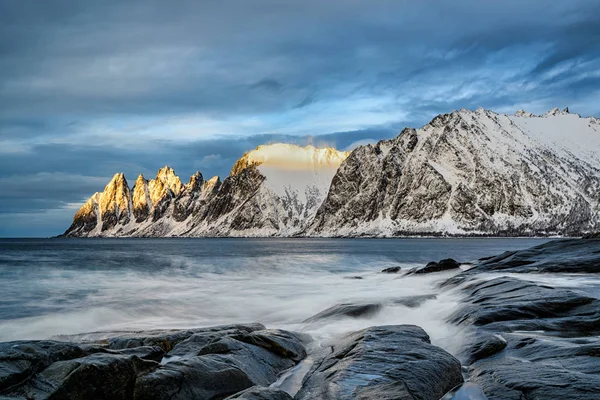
[91, 88]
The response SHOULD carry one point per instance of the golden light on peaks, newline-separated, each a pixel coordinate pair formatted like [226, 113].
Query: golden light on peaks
[293, 157]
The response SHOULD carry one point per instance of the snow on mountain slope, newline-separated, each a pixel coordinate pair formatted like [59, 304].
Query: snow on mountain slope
[273, 190]
[471, 172]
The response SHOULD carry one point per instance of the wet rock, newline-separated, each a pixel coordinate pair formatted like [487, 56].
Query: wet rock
[222, 368]
[569, 256]
[347, 310]
[442, 265]
[98, 376]
[261, 393]
[353, 277]
[168, 339]
[283, 343]
[507, 304]
[414, 301]
[20, 360]
[486, 346]
[202, 363]
[391, 270]
[384, 362]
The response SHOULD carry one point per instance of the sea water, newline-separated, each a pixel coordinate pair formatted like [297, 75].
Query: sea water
[51, 287]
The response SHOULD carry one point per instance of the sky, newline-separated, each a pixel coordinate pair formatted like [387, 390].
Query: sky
[91, 88]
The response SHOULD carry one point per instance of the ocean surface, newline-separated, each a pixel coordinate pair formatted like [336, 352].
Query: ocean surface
[51, 287]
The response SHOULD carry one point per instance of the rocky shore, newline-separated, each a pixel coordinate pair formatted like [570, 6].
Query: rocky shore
[532, 332]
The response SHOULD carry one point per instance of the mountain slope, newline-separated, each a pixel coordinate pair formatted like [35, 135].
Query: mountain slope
[471, 172]
[273, 190]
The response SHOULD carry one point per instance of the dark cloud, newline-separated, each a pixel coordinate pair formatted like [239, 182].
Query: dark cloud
[89, 88]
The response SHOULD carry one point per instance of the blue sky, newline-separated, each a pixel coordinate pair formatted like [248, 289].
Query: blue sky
[90, 88]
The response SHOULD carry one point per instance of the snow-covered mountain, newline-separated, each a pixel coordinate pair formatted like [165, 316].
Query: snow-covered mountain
[273, 190]
[471, 172]
[468, 172]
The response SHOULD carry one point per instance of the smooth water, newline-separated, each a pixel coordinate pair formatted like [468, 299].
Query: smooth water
[54, 287]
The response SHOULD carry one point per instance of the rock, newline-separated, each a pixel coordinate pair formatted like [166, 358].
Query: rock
[550, 368]
[347, 310]
[508, 304]
[202, 363]
[414, 301]
[486, 346]
[97, 376]
[443, 265]
[220, 369]
[168, 339]
[391, 270]
[353, 277]
[261, 393]
[20, 360]
[568, 256]
[533, 341]
[383, 362]
[285, 344]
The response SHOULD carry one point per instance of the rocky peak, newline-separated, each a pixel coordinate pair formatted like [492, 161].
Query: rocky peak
[196, 182]
[523, 113]
[556, 111]
[141, 199]
[167, 176]
[115, 201]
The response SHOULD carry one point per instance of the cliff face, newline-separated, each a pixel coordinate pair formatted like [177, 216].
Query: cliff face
[468, 172]
[471, 172]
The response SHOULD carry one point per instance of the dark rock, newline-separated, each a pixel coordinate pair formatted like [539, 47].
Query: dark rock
[391, 270]
[282, 343]
[20, 360]
[486, 346]
[202, 363]
[347, 310]
[508, 304]
[353, 277]
[261, 393]
[98, 376]
[384, 362]
[414, 301]
[551, 368]
[570, 256]
[443, 265]
[220, 369]
[168, 339]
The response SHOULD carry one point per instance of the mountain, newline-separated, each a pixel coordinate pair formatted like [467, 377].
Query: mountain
[273, 190]
[471, 172]
[464, 173]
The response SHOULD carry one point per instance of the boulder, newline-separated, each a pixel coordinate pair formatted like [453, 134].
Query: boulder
[221, 368]
[383, 362]
[347, 310]
[391, 270]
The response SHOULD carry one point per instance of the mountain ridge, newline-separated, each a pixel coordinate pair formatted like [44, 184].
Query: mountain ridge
[466, 173]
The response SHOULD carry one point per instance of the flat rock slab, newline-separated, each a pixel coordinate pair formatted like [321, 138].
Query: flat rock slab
[384, 362]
